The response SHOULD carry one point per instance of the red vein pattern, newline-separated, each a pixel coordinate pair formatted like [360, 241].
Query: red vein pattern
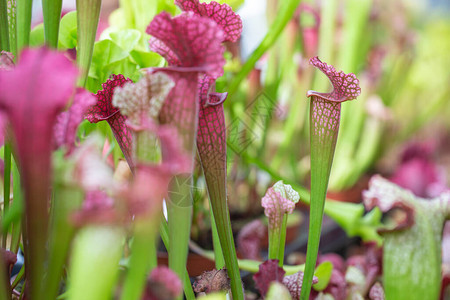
[188, 41]
[180, 108]
[104, 110]
[67, 122]
[325, 118]
[191, 44]
[222, 14]
[211, 134]
[326, 107]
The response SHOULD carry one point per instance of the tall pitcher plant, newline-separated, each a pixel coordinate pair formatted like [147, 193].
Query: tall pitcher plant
[325, 113]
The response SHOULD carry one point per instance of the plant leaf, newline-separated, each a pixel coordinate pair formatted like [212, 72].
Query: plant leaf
[323, 273]
[68, 31]
[126, 39]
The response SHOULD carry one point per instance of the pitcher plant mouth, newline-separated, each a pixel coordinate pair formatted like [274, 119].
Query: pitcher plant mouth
[345, 86]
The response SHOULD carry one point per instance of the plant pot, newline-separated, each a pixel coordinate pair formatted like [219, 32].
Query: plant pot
[196, 264]
[352, 194]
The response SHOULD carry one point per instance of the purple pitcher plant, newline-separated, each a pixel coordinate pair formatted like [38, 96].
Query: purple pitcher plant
[31, 95]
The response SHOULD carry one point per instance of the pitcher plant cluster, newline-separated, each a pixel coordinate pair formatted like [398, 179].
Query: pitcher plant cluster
[88, 223]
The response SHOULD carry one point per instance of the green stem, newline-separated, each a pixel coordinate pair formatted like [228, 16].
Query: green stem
[96, 253]
[22, 292]
[323, 134]
[145, 147]
[23, 23]
[143, 258]
[51, 10]
[19, 277]
[65, 201]
[282, 241]
[277, 240]
[223, 224]
[4, 29]
[218, 254]
[164, 232]
[287, 10]
[88, 13]
[12, 14]
[17, 207]
[6, 188]
[274, 243]
[179, 209]
[35, 221]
